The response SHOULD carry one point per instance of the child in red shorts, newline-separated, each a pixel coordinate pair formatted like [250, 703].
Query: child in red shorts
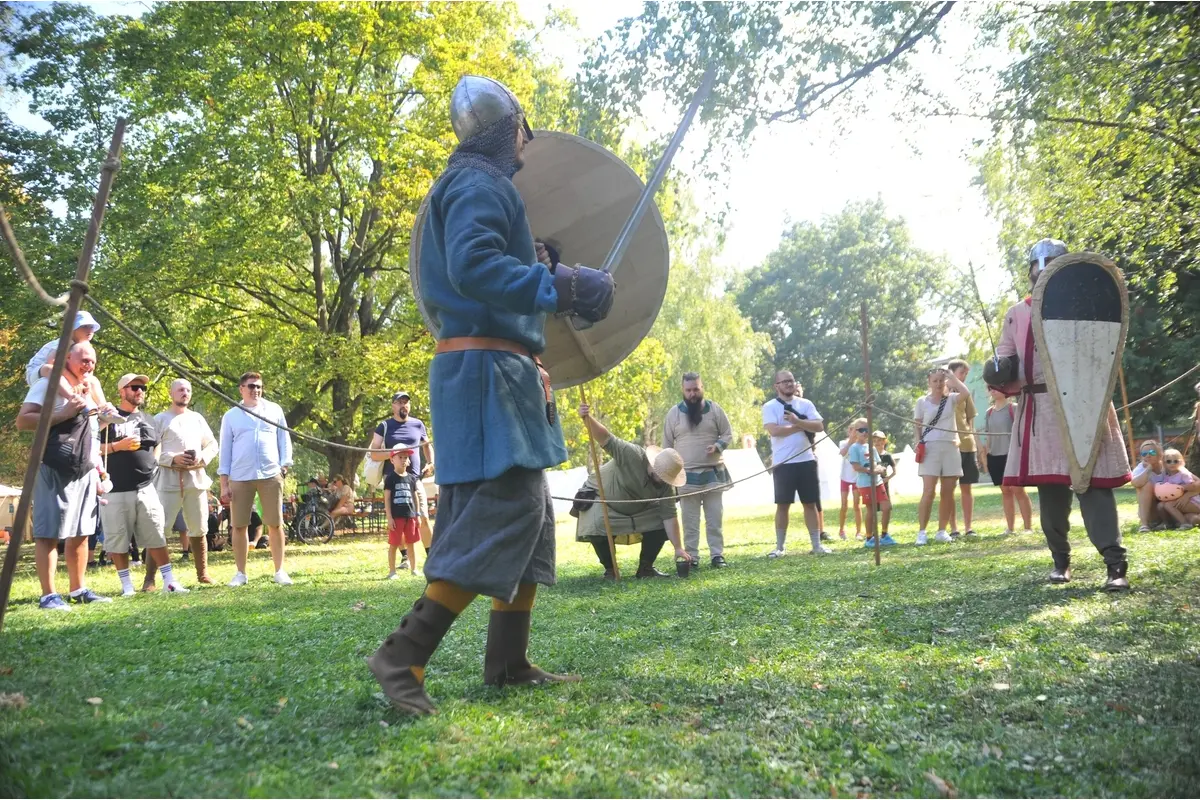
[400, 500]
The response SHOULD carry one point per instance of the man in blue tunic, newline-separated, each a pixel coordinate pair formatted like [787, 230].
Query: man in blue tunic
[494, 417]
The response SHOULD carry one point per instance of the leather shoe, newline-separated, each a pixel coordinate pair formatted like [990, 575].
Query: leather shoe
[609, 575]
[650, 572]
[1116, 581]
[1062, 569]
[719, 562]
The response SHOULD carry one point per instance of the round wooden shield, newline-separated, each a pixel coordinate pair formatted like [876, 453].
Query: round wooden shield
[577, 197]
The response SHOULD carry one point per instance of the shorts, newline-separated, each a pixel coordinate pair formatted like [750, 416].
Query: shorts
[64, 509]
[942, 460]
[880, 494]
[970, 469]
[848, 486]
[192, 503]
[133, 514]
[270, 492]
[792, 480]
[996, 465]
[404, 530]
[422, 500]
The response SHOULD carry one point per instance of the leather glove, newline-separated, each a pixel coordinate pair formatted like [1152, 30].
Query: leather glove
[583, 291]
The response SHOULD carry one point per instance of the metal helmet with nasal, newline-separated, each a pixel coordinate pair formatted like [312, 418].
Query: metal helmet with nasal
[478, 102]
[1046, 251]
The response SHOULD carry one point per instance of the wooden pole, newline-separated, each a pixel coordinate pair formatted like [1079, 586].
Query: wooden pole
[612, 546]
[1128, 417]
[873, 506]
[111, 164]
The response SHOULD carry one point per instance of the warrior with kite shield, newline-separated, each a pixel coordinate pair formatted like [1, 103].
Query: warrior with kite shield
[486, 295]
[1060, 349]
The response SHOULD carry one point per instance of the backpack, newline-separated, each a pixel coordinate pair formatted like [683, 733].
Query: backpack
[69, 447]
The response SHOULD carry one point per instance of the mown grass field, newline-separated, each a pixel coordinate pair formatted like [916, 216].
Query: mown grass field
[798, 677]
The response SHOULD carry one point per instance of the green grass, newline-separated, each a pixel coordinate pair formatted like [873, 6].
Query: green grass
[801, 676]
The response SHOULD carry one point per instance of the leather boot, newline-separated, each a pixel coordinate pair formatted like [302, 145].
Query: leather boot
[507, 659]
[1062, 568]
[150, 582]
[399, 663]
[1116, 581]
[200, 558]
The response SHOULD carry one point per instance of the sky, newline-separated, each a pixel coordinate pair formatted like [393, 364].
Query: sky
[920, 168]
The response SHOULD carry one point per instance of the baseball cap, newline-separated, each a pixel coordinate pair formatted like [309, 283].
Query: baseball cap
[130, 377]
[401, 395]
[878, 435]
[85, 320]
[400, 448]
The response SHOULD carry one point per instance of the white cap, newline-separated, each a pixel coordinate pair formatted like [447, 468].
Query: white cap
[130, 377]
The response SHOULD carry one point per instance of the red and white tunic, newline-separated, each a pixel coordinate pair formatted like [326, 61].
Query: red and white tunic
[1037, 455]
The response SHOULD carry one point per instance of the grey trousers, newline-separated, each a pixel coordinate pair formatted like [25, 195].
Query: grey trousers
[1099, 509]
[690, 505]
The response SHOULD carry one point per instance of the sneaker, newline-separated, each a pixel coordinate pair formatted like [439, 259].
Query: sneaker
[88, 596]
[1007, 532]
[887, 541]
[282, 578]
[263, 544]
[239, 579]
[128, 591]
[821, 550]
[825, 537]
[718, 562]
[177, 588]
[1027, 532]
[403, 565]
[185, 557]
[923, 538]
[858, 535]
[134, 564]
[942, 536]
[970, 534]
[953, 535]
[842, 535]
[393, 576]
[870, 543]
[776, 553]
[53, 602]
[1144, 529]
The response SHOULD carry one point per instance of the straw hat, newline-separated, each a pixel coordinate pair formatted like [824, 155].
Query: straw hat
[667, 465]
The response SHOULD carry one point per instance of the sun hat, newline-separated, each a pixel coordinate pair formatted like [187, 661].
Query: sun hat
[85, 320]
[130, 377]
[667, 465]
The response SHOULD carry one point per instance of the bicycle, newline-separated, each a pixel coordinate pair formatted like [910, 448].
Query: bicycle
[312, 523]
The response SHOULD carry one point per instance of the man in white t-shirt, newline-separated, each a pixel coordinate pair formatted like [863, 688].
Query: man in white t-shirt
[793, 423]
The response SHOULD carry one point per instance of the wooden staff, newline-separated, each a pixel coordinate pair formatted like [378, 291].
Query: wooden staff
[78, 287]
[873, 508]
[612, 546]
[1128, 418]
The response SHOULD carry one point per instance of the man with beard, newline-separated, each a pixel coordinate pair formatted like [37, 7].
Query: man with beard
[401, 428]
[64, 495]
[1037, 453]
[493, 410]
[699, 430]
[793, 423]
[133, 507]
[186, 447]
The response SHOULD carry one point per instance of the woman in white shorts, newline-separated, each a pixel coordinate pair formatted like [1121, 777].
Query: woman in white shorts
[934, 421]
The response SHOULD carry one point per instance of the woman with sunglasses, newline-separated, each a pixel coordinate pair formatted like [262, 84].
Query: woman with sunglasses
[1146, 474]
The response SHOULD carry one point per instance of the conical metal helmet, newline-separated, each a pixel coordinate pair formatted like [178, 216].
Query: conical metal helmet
[1044, 251]
[478, 102]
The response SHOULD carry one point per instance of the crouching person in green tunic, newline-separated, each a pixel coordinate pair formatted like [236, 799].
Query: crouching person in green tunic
[647, 476]
[494, 417]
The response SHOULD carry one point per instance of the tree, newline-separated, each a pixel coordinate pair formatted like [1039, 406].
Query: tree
[277, 156]
[807, 298]
[1097, 142]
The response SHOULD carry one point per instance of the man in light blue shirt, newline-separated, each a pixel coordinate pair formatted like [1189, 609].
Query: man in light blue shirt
[255, 456]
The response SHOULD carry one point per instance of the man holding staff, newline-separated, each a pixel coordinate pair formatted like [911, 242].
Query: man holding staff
[493, 411]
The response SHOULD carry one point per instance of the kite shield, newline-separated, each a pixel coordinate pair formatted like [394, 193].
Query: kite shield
[577, 197]
[1080, 318]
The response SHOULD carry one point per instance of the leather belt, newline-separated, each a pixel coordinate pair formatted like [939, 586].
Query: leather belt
[1034, 388]
[459, 344]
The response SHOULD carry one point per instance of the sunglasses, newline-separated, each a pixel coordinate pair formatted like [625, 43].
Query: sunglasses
[257, 386]
[1172, 461]
[862, 430]
[1149, 452]
[137, 388]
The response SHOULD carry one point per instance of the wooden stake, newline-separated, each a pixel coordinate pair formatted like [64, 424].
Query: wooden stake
[111, 165]
[873, 506]
[612, 546]
[1128, 418]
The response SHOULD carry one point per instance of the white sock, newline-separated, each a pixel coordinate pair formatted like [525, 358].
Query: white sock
[167, 573]
[815, 538]
[126, 581]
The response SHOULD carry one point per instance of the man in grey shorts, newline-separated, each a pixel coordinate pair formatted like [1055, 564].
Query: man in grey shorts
[64, 495]
[133, 507]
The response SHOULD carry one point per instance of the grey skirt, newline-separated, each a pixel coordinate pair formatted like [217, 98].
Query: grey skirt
[489, 537]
